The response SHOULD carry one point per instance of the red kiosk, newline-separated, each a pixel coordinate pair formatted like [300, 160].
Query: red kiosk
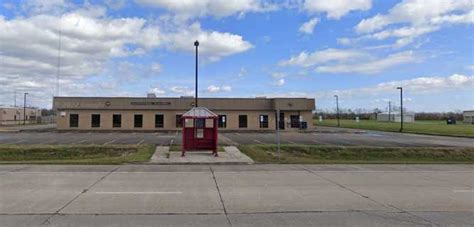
[199, 130]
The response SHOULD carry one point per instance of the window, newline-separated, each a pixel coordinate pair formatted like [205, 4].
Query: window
[95, 120]
[295, 121]
[73, 120]
[138, 121]
[200, 122]
[159, 121]
[263, 119]
[117, 120]
[222, 121]
[242, 121]
[179, 123]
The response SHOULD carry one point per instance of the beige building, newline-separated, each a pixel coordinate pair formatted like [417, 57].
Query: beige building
[14, 115]
[126, 113]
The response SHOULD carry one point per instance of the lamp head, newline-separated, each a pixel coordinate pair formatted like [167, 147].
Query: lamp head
[196, 43]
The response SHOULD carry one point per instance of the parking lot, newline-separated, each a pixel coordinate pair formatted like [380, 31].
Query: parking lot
[331, 136]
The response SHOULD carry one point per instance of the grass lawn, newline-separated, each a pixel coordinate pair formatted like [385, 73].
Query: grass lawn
[313, 154]
[75, 154]
[422, 127]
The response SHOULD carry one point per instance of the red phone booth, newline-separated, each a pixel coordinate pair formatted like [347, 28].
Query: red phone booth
[199, 130]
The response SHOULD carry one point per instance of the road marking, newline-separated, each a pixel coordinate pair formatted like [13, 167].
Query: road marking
[138, 193]
[461, 191]
[17, 142]
[81, 141]
[109, 142]
[141, 141]
[258, 141]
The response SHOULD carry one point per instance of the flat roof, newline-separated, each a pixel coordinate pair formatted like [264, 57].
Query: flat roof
[181, 103]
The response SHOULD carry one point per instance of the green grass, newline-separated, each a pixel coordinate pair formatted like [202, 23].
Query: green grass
[75, 154]
[421, 127]
[177, 147]
[312, 154]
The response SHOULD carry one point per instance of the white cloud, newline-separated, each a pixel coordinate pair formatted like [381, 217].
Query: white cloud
[370, 67]
[157, 90]
[419, 85]
[215, 8]
[216, 89]
[308, 26]
[335, 9]
[305, 59]
[182, 90]
[279, 82]
[242, 72]
[415, 18]
[156, 68]
[213, 45]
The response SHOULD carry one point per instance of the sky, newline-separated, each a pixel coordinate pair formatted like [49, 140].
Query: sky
[360, 50]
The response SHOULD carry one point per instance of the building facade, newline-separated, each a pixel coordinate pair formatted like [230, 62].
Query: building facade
[155, 114]
[468, 117]
[16, 115]
[395, 117]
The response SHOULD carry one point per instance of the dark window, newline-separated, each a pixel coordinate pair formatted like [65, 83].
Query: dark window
[138, 121]
[159, 121]
[200, 122]
[179, 123]
[242, 121]
[222, 121]
[117, 120]
[263, 119]
[73, 120]
[95, 120]
[295, 121]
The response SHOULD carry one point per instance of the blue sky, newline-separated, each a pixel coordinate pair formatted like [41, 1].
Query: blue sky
[360, 50]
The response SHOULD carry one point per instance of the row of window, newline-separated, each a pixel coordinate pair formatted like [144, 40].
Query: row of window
[159, 121]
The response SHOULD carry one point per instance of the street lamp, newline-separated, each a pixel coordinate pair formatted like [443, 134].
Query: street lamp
[401, 108]
[24, 107]
[337, 110]
[196, 44]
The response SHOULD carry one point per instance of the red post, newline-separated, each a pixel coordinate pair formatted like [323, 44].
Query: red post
[183, 137]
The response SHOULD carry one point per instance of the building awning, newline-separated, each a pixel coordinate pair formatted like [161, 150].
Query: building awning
[199, 112]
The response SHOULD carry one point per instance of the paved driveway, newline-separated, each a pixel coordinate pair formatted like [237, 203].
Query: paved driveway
[256, 195]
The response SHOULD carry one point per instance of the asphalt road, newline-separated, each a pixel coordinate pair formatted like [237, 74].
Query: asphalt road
[323, 136]
[248, 195]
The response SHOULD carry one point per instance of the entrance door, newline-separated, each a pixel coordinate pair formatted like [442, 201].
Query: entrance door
[281, 123]
[295, 121]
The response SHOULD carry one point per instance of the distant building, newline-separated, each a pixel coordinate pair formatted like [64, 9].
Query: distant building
[14, 115]
[395, 117]
[155, 114]
[468, 116]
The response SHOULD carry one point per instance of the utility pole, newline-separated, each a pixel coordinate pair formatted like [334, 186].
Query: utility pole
[337, 110]
[401, 108]
[196, 44]
[24, 108]
[389, 111]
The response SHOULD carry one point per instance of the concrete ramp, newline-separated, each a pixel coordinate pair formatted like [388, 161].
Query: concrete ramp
[231, 155]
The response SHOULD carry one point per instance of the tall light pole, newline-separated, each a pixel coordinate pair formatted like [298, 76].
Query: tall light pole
[401, 108]
[196, 44]
[337, 110]
[389, 111]
[24, 107]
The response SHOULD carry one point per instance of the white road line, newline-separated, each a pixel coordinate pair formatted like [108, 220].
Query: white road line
[141, 141]
[109, 142]
[17, 142]
[81, 141]
[138, 193]
[461, 191]
[258, 141]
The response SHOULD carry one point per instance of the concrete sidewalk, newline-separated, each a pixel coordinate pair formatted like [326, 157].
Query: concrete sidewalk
[231, 155]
